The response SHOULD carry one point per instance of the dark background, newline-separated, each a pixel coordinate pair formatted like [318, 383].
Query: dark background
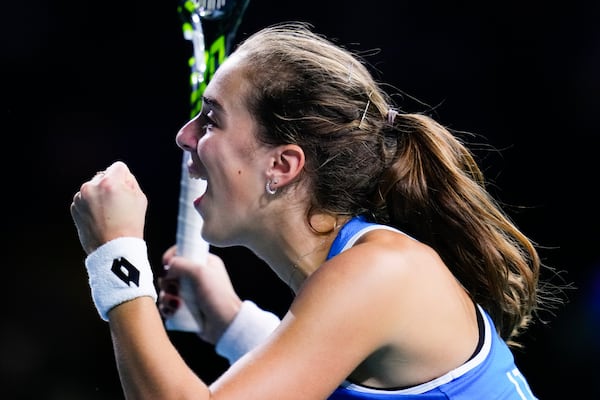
[86, 83]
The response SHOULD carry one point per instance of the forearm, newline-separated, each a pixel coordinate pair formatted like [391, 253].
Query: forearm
[123, 291]
[149, 365]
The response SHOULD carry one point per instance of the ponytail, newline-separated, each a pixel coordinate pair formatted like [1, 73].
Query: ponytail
[434, 190]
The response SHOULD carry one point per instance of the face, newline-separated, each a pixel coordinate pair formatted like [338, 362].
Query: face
[225, 152]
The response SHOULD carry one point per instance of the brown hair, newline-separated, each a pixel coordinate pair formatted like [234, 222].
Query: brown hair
[363, 156]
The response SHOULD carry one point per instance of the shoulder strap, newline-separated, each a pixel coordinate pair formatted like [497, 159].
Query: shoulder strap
[352, 231]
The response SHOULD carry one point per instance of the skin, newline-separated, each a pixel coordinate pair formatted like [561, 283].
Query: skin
[382, 313]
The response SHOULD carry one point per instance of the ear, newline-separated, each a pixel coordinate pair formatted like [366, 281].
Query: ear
[287, 164]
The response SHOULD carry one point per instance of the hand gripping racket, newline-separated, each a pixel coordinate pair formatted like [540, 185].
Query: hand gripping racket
[211, 26]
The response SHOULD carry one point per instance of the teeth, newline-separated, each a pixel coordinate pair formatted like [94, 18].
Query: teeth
[195, 176]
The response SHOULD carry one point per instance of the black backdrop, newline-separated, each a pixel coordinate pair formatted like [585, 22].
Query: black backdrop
[84, 84]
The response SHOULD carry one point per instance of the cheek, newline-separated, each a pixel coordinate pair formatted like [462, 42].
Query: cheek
[205, 146]
[213, 155]
[230, 166]
[223, 168]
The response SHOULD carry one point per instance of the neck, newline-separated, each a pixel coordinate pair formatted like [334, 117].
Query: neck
[300, 247]
[307, 263]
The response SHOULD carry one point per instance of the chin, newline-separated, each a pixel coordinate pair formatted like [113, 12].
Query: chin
[215, 239]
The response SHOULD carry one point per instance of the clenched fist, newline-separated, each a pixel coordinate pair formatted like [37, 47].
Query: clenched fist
[108, 206]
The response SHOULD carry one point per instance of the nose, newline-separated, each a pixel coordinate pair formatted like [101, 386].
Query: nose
[188, 136]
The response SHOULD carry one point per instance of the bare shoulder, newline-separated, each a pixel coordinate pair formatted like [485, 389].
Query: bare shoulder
[384, 274]
[378, 255]
[398, 303]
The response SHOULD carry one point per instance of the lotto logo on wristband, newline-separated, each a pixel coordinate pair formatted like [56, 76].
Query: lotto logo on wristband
[124, 281]
[125, 271]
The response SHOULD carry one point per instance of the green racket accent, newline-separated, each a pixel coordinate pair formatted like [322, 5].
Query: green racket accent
[213, 57]
[211, 26]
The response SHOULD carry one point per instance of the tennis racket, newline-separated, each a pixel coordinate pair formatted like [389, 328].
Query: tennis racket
[211, 26]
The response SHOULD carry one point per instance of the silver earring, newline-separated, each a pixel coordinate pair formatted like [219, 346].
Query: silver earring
[270, 190]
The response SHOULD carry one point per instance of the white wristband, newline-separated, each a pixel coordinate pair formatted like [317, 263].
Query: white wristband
[249, 328]
[119, 271]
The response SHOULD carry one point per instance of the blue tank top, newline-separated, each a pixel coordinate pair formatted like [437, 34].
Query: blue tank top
[491, 373]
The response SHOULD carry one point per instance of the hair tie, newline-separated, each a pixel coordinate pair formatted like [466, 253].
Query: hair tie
[391, 116]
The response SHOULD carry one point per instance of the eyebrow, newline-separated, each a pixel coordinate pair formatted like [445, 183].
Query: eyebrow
[212, 103]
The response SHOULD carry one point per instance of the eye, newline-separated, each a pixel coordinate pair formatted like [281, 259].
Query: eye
[209, 122]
